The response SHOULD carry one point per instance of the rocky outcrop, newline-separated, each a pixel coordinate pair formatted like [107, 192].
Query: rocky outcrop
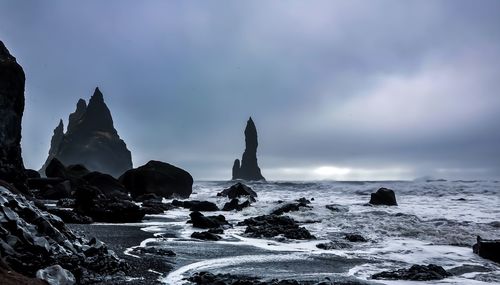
[272, 225]
[159, 178]
[31, 240]
[237, 190]
[249, 168]
[234, 204]
[292, 207]
[205, 236]
[383, 196]
[208, 222]
[195, 205]
[91, 139]
[11, 112]
[489, 249]
[415, 273]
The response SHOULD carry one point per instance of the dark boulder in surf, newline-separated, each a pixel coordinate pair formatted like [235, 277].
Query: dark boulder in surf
[238, 190]
[208, 222]
[383, 196]
[489, 249]
[272, 225]
[415, 273]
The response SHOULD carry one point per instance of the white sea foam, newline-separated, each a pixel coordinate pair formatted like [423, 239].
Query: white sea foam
[430, 220]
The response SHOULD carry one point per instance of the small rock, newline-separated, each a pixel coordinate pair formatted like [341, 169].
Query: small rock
[383, 196]
[205, 236]
[415, 273]
[56, 275]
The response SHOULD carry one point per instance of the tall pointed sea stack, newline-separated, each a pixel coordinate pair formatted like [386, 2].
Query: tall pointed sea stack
[249, 169]
[91, 139]
[11, 112]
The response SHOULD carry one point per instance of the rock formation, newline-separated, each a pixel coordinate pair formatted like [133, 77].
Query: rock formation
[383, 196]
[249, 169]
[159, 178]
[11, 111]
[91, 139]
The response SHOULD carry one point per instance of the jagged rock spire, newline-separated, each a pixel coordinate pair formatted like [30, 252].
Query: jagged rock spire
[92, 140]
[249, 169]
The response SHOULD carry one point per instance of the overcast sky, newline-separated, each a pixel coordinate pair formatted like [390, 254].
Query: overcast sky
[338, 89]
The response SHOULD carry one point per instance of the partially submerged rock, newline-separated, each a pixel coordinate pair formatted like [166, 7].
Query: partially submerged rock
[195, 205]
[207, 222]
[415, 273]
[273, 225]
[237, 191]
[291, 207]
[489, 249]
[206, 235]
[159, 178]
[333, 245]
[383, 196]
[355, 238]
[234, 204]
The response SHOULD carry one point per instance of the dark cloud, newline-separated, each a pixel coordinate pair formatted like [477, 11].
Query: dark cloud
[338, 89]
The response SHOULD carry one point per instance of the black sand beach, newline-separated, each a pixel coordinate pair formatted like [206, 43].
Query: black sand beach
[120, 237]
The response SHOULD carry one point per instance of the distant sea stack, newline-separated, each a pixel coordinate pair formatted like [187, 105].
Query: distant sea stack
[248, 169]
[11, 112]
[90, 139]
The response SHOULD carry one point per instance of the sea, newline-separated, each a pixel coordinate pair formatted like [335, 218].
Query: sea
[435, 222]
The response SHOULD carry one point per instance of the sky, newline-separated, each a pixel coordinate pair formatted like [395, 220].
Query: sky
[341, 90]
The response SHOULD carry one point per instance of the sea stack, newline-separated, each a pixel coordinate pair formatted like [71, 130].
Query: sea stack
[91, 139]
[248, 169]
[11, 112]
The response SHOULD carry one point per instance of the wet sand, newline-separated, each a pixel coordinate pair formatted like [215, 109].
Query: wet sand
[120, 237]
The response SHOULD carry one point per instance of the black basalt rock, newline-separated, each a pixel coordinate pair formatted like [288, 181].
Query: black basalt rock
[159, 178]
[249, 168]
[12, 81]
[91, 139]
[489, 249]
[415, 273]
[383, 196]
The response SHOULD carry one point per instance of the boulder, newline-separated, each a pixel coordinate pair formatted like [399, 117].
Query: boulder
[195, 205]
[91, 139]
[489, 249]
[159, 178]
[207, 222]
[249, 168]
[56, 275]
[234, 204]
[238, 190]
[273, 225]
[153, 250]
[205, 236]
[355, 238]
[415, 273]
[31, 173]
[333, 245]
[290, 207]
[70, 216]
[108, 185]
[383, 196]
[90, 201]
[153, 206]
[12, 81]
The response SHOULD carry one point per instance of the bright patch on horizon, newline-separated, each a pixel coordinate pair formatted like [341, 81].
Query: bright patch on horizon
[331, 171]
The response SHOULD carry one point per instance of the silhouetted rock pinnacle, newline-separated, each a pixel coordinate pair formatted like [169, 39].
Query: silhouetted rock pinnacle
[249, 169]
[11, 112]
[91, 140]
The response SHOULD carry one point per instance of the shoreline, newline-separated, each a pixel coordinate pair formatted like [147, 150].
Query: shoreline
[120, 238]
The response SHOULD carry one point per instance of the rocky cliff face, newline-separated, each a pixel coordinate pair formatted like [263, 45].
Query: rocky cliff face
[249, 169]
[91, 140]
[11, 111]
